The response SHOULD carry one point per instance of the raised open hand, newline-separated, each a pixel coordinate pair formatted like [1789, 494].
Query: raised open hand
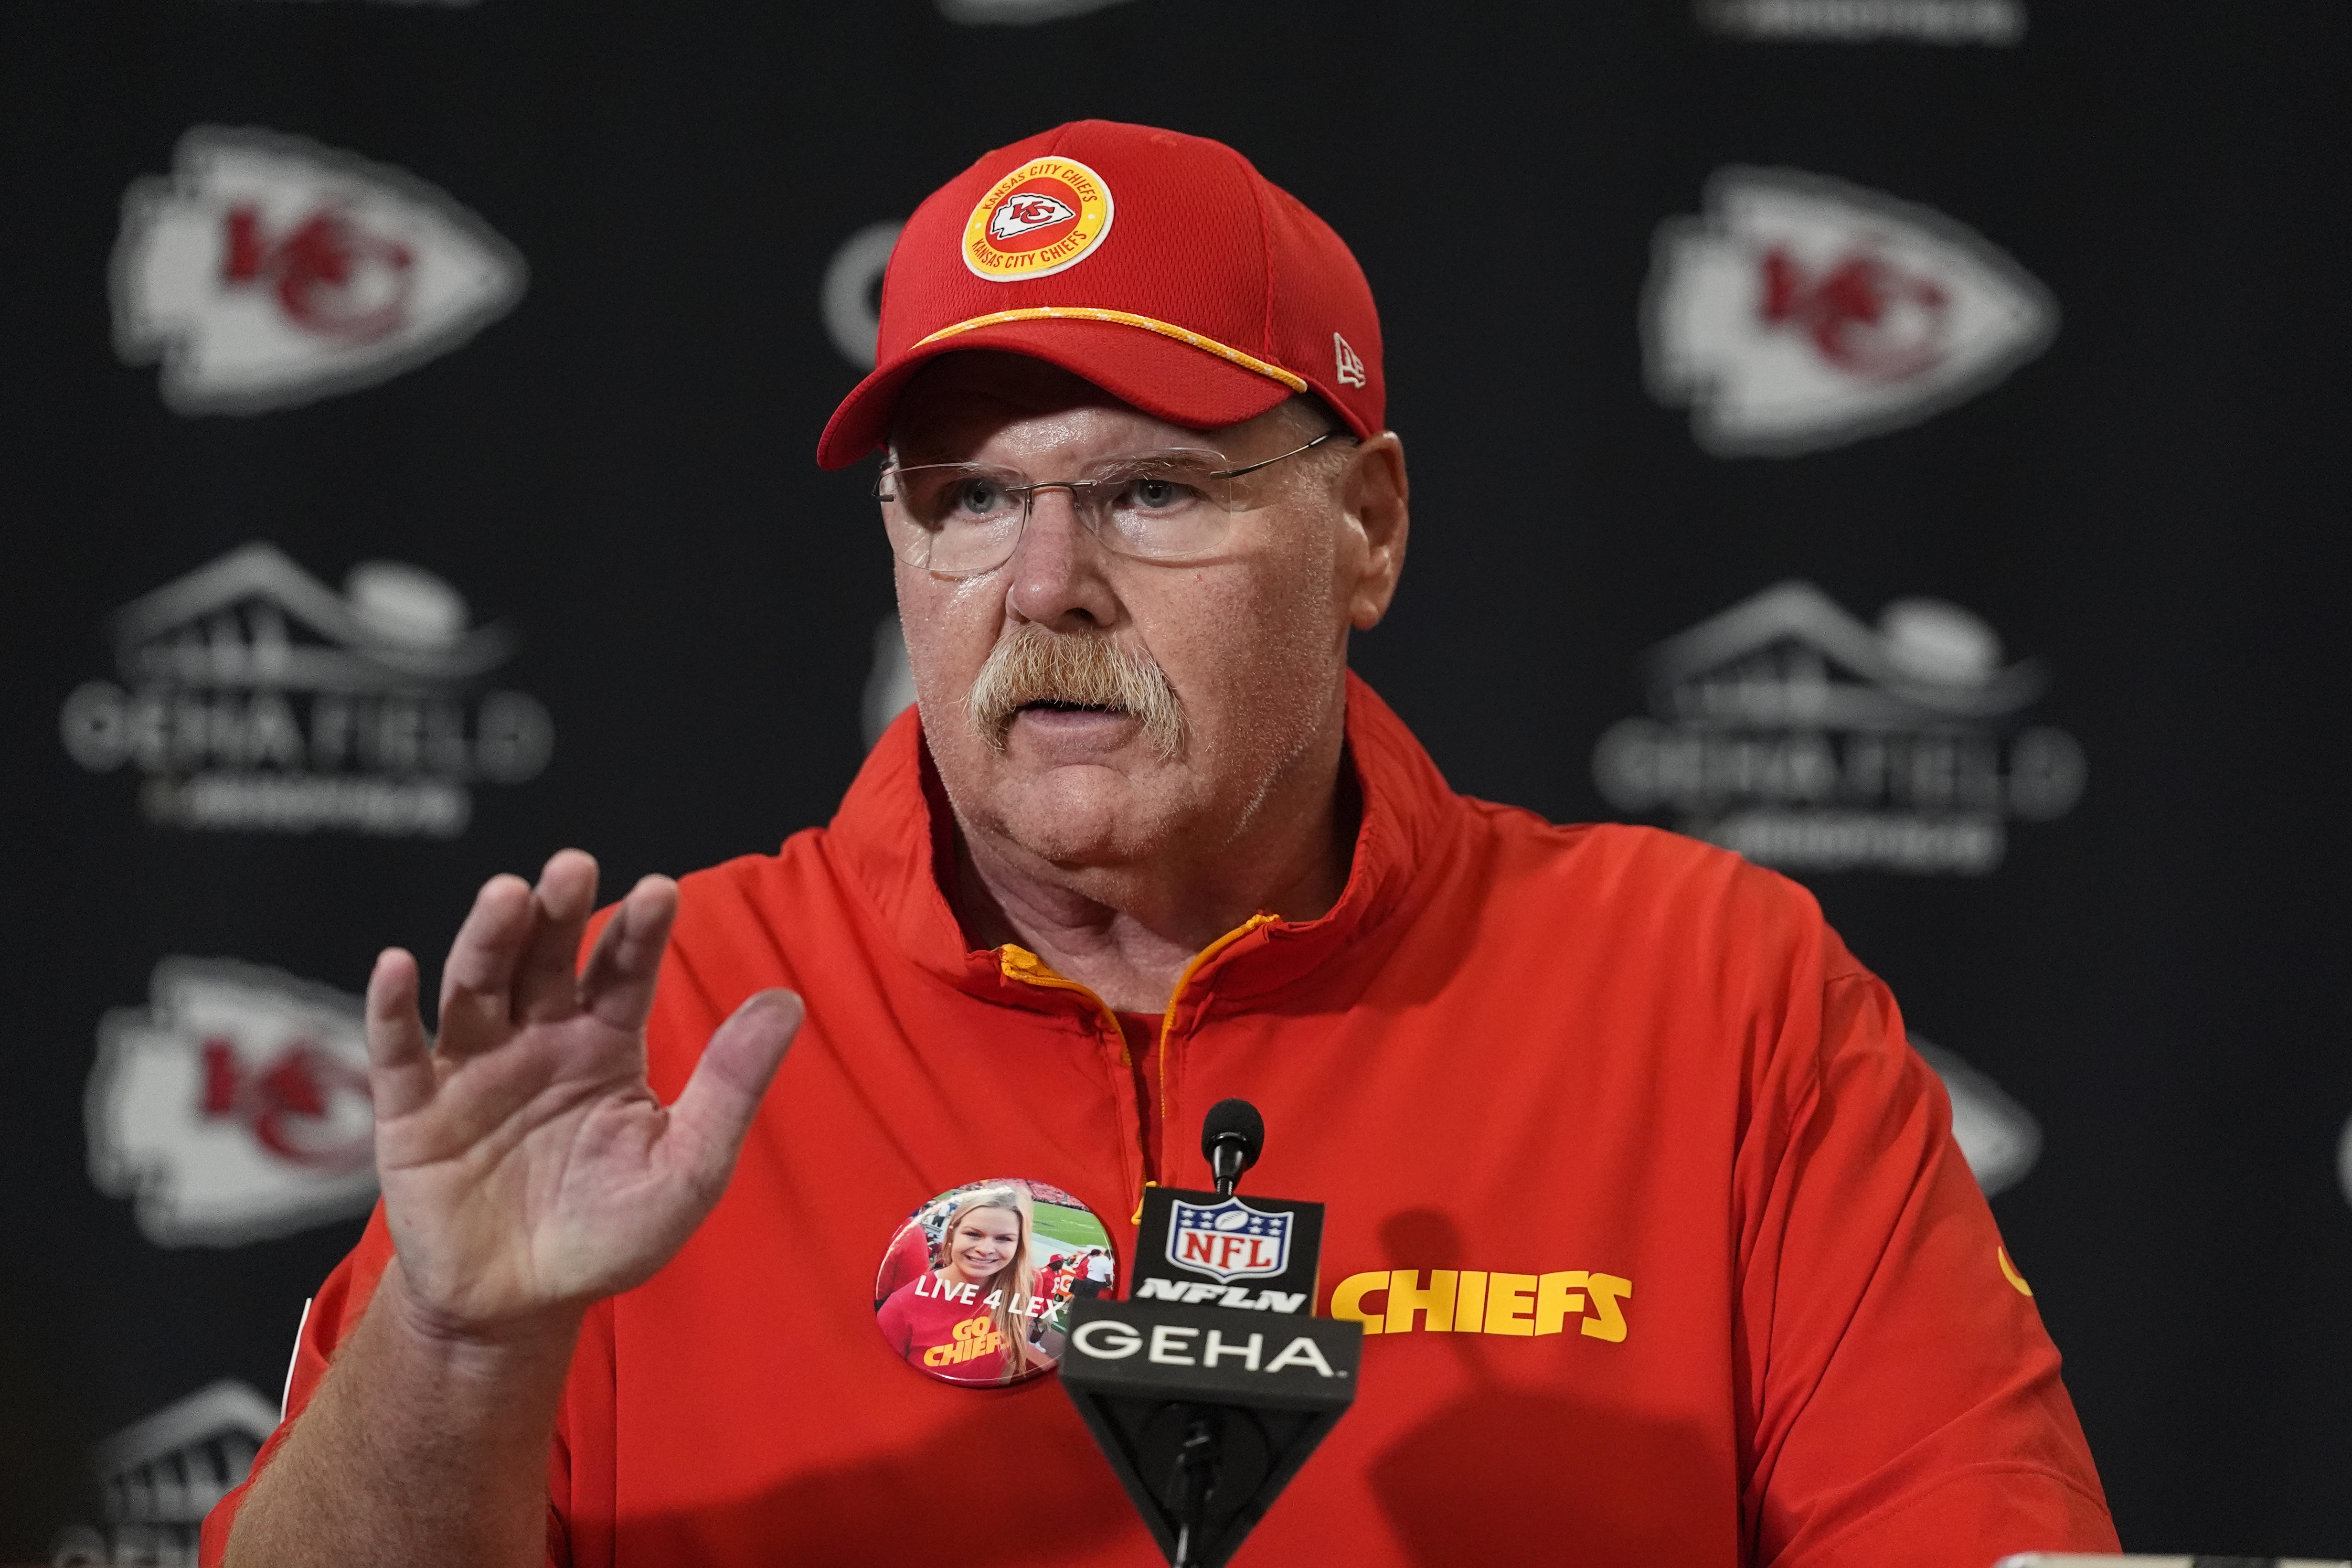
[527, 1167]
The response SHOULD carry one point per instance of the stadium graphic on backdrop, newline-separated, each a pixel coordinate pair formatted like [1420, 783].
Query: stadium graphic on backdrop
[1802, 314]
[1792, 731]
[161, 1475]
[268, 271]
[234, 1107]
[252, 697]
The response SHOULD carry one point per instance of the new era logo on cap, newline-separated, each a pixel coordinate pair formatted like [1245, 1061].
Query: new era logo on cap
[1351, 368]
[1161, 267]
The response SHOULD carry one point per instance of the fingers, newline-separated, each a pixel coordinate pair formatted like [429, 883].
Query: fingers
[400, 1058]
[711, 1116]
[617, 986]
[477, 978]
[545, 988]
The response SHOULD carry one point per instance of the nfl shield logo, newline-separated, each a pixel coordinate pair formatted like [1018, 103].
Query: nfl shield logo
[1228, 1241]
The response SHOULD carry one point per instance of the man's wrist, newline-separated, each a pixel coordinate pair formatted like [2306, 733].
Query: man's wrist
[507, 1348]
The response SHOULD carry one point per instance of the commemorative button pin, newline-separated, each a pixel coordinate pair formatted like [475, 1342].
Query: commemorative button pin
[1047, 215]
[975, 1287]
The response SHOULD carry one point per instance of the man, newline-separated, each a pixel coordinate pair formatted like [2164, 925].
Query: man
[1659, 1224]
[1094, 1273]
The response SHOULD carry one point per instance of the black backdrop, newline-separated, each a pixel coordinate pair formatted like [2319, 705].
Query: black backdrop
[619, 472]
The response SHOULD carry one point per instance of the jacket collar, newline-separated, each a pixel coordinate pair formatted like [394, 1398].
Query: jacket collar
[895, 837]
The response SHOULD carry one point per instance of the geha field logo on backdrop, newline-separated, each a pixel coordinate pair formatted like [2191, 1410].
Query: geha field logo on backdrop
[1791, 731]
[268, 271]
[1802, 314]
[254, 697]
[161, 1475]
[1999, 23]
[233, 1107]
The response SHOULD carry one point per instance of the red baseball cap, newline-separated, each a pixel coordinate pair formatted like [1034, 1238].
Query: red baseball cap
[1161, 267]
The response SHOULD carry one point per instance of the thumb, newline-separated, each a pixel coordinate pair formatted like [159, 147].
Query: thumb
[715, 1109]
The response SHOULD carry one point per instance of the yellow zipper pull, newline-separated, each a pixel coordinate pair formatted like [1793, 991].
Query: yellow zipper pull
[1137, 1217]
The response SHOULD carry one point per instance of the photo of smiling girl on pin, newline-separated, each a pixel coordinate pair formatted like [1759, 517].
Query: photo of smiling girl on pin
[987, 1309]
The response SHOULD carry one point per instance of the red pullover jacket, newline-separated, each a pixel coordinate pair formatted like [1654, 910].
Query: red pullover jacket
[1513, 1059]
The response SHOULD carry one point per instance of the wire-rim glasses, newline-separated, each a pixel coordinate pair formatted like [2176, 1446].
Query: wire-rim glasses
[960, 519]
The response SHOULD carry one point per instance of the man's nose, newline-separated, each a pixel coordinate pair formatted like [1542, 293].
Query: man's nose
[1057, 572]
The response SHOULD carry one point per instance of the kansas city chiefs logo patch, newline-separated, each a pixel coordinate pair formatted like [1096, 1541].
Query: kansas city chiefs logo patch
[1802, 314]
[1019, 214]
[1046, 216]
[268, 271]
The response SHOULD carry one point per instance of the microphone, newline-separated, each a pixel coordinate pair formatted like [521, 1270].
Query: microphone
[1231, 1134]
[1211, 1384]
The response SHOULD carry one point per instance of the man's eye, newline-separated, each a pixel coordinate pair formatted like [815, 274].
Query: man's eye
[1156, 494]
[978, 498]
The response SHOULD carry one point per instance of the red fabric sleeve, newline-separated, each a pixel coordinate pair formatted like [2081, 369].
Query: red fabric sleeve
[334, 1312]
[1902, 1400]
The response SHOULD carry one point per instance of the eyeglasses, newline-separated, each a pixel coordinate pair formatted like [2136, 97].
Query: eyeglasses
[960, 519]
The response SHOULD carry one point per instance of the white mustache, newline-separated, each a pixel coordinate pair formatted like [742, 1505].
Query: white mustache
[1035, 664]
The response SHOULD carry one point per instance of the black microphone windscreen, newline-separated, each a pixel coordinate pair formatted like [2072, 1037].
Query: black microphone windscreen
[1237, 1119]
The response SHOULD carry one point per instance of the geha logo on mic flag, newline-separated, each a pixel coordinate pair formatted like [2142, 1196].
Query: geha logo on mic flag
[1228, 1241]
[1802, 314]
[268, 271]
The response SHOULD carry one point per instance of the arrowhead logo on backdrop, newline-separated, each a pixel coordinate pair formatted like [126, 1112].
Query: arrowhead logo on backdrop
[234, 1107]
[268, 271]
[1997, 1137]
[1802, 314]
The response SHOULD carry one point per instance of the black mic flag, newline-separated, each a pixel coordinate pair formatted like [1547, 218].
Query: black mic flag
[1209, 1387]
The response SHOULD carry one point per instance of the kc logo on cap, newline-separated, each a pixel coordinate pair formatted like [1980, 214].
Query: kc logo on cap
[1047, 215]
[1220, 295]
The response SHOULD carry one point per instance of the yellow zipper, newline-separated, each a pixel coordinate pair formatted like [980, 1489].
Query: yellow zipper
[1168, 1019]
[1017, 963]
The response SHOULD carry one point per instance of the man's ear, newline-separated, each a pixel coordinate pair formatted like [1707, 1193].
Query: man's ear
[1374, 492]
